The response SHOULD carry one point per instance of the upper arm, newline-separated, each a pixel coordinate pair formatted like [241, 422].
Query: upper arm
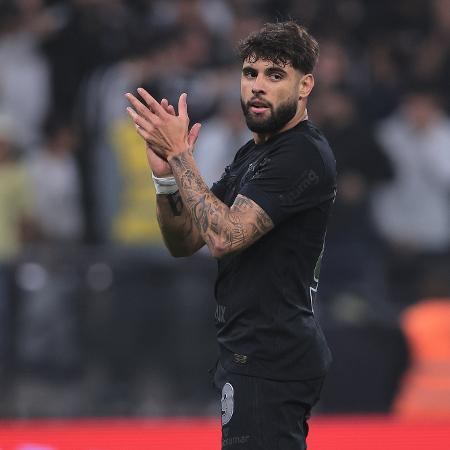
[294, 177]
[246, 223]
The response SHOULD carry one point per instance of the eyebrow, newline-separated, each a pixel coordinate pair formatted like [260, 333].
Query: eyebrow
[275, 69]
[268, 70]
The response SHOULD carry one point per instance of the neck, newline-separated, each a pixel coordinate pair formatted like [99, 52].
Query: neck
[300, 116]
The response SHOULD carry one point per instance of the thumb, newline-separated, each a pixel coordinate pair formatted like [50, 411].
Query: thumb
[182, 105]
[193, 134]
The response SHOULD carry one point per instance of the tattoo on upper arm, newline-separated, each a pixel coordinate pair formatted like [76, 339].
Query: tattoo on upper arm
[259, 223]
[231, 228]
[176, 203]
[242, 203]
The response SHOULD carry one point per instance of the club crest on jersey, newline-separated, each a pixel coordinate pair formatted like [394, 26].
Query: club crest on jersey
[227, 403]
[254, 170]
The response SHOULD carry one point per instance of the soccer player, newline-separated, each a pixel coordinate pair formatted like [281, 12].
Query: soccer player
[265, 222]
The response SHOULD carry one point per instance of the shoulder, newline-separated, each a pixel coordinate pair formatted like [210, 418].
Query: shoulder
[305, 146]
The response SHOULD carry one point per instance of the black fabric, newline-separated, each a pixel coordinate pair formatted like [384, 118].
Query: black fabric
[265, 293]
[261, 414]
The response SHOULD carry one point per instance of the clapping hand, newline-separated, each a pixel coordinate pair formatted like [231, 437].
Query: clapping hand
[166, 134]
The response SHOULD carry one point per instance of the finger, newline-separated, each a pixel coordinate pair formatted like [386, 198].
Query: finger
[165, 104]
[168, 108]
[140, 108]
[152, 103]
[182, 105]
[140, 121]
[193, 134]
[144, 135]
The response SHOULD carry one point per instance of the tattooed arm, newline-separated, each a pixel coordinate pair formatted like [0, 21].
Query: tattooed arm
[223, 229]
[180, 235]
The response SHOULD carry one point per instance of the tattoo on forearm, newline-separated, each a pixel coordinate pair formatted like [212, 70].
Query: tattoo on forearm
[231, 228]
[176, 234]
[176, 203]
[200, 213]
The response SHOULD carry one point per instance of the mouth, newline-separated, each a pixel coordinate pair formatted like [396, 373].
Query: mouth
[258, 106]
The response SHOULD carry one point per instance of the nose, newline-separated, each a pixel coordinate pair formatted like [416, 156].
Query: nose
[258, 85]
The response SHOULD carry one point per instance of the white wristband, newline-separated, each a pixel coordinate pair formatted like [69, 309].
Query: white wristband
[167, 185]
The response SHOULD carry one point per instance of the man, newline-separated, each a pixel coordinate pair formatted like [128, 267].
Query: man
[265, 222]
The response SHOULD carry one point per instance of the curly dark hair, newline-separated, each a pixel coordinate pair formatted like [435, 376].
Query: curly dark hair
[281, 43]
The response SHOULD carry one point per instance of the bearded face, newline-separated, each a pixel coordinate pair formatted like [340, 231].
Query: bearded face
[270, 95]
[263, 117]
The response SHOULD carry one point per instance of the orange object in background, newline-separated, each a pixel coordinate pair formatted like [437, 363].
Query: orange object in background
[327, 433]
[425, 389]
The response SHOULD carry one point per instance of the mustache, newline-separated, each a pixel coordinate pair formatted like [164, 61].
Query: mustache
[258, 101]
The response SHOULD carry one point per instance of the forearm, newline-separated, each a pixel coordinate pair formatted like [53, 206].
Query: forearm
[179, 234]
[220, 228]
[207, 219]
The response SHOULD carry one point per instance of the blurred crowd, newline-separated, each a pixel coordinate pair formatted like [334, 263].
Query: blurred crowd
[73, 172]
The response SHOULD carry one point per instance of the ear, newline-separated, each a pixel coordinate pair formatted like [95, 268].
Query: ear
[306, 85]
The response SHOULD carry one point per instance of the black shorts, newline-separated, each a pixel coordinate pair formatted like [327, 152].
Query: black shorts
[262, 414]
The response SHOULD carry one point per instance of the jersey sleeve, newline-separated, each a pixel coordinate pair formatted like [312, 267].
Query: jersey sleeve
[292, 178]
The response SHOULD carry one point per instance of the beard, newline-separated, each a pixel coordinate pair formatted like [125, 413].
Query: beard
[276, 119]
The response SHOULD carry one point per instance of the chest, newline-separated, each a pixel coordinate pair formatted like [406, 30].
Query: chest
[243, 170]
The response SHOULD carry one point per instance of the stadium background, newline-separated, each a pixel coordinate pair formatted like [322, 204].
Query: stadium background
[106, 341]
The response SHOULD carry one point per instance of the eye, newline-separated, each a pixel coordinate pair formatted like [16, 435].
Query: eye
[249, 73]
[276, 76]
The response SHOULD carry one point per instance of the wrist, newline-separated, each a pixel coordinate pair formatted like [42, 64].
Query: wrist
[165, 185]
[183, 152]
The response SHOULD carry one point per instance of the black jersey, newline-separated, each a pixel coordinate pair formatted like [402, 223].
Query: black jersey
[265, 294]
